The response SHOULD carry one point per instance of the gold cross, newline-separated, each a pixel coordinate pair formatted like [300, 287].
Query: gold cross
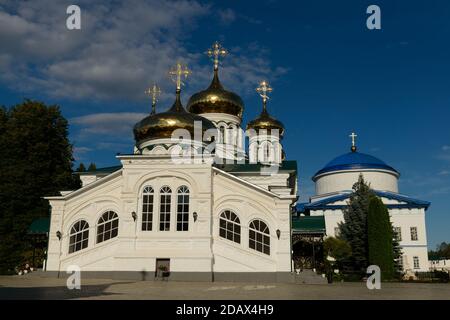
[263, 89]
[154, 92]
[215, 52]
[177, 72]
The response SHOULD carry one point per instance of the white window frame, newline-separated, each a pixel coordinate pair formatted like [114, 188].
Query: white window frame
[260, 229]
[80, 233]
[414, 234]
[416, 262]
[148, 209]
[398, 233]
[183, 215]
[109, 222]
[164, 215]
[232, 227]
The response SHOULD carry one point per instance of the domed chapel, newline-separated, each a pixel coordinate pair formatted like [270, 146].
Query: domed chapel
[190, 202]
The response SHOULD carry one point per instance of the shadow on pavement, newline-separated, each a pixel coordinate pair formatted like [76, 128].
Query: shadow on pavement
[55, 293]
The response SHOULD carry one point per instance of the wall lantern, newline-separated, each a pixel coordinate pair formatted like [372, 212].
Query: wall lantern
[134, 215]
[58, 234]
[278, 234]
[195, 214]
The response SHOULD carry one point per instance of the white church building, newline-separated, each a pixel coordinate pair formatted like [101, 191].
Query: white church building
[191, 202]
[186, 205]
[334, 184]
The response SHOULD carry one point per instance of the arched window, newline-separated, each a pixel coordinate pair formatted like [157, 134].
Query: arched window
[265, 152]
[147, 208]
[79, 236]
[222, 134]
[259, 237]
[164, 209]
[108, 226]
[183, 208]
[229, 226]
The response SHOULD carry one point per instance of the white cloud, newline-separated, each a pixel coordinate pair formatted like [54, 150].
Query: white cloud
[81, 149]
[445, 148]
[121, 48]
[111, 124]
[79, 152]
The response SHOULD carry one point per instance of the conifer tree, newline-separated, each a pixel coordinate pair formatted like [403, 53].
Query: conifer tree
[92, 167]
[354, 227]
[380, 236]
[81, 168]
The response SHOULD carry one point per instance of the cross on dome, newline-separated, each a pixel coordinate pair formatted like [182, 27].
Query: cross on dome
[154, 92]
[177, 72]
[263, 89]
[353, 137]
[215, 52]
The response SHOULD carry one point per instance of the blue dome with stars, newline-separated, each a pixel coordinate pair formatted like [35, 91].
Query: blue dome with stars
[354, 161]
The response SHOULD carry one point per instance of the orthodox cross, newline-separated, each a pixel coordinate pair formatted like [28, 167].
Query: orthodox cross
[177, 73]
[154, 92]
[263, 89]
[353, 136]
[215, 52]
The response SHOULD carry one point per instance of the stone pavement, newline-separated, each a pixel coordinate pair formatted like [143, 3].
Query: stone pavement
[23, 287]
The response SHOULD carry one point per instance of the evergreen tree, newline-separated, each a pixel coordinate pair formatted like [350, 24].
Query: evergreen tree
[354, 227]
[337, 248]
[92, 167]
[81, 168]
[35, 161]
[397, 255]
[380, 236]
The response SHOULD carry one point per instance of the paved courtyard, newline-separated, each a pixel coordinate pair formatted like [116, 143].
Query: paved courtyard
[17, 287]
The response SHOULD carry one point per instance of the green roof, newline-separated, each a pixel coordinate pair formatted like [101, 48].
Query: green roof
[105, 170]
[39, 226]
[308, 224]
[287, 165]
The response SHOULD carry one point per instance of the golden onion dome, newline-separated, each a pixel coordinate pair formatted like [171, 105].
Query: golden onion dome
[162, 125]
[266, 122]
[216, 99]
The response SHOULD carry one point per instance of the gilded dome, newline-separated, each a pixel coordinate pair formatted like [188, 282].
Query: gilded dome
[216, 99]
[162, 125]
[267, 122]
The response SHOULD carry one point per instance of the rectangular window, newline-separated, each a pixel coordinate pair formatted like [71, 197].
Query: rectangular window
[400, 262]
[416, 262]
[164, 212]
[398, 233]
[414, 234]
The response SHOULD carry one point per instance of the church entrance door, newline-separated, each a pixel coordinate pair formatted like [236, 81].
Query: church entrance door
[162, 268]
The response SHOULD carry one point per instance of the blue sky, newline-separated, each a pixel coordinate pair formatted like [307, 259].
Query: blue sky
[330, 74]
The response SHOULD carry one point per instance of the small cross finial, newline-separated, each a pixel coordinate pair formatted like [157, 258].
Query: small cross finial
[177, 72]
[215, 52]
[154, 92]
[353, 136]
[263, 89]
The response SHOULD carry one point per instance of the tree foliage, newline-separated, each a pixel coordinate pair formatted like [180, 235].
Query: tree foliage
[442, 252]
[35, 161]
[337, 248]
[92, 167]
[354, 228]
[380, 236]
[81, 168]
